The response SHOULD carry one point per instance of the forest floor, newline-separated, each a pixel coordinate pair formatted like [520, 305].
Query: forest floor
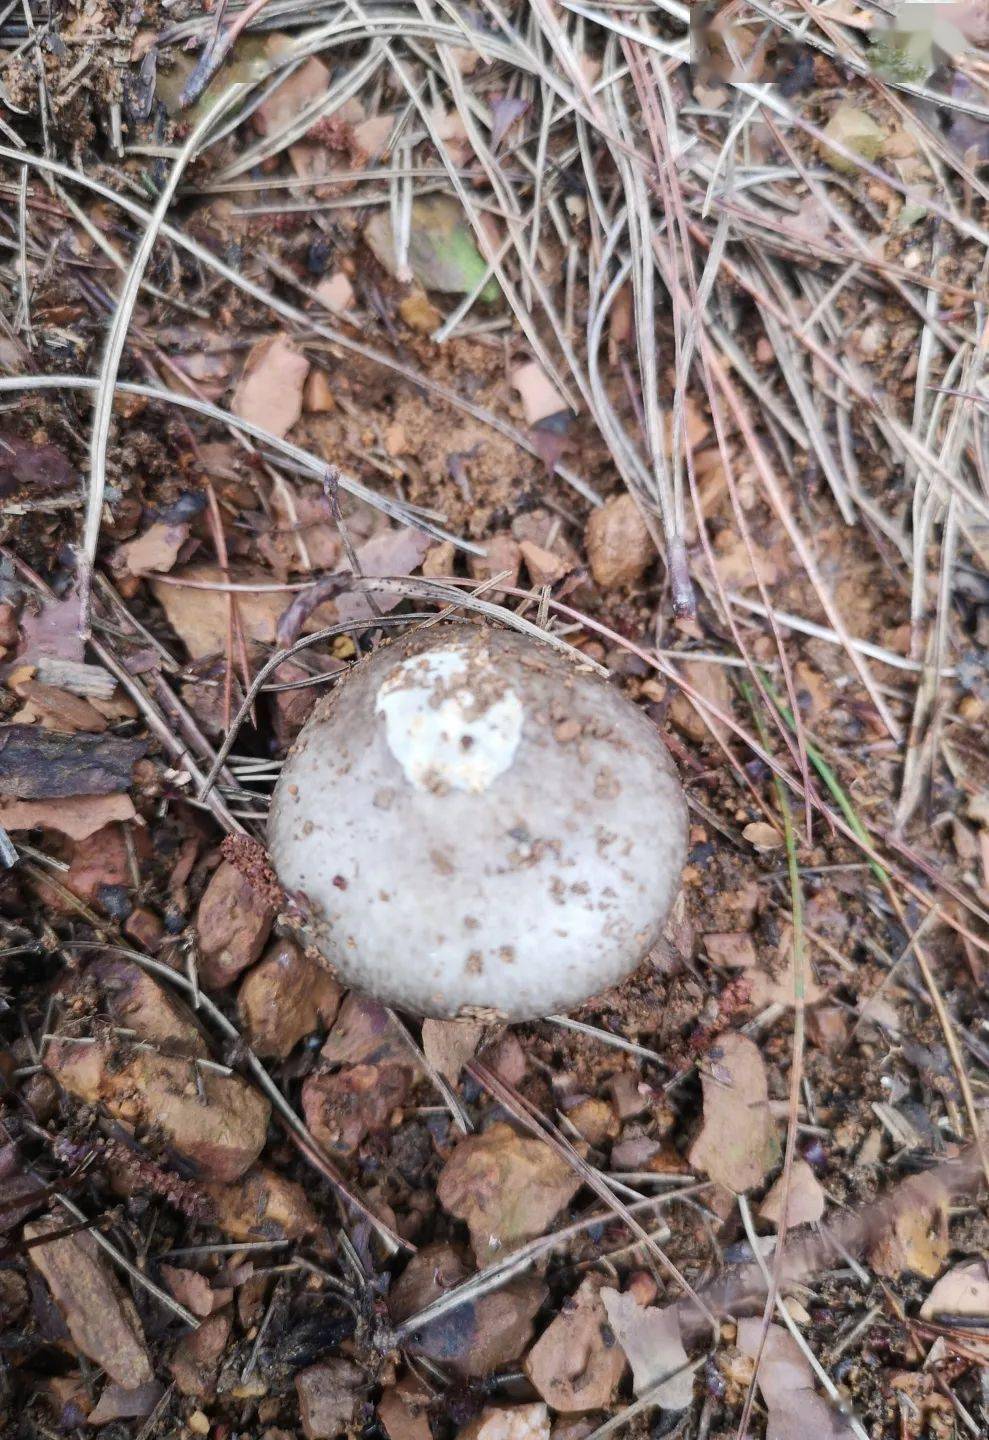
[316, 320]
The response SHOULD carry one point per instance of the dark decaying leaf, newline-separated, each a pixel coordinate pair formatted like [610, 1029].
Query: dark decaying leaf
[38, 764]
[54, 631]
[38, 469]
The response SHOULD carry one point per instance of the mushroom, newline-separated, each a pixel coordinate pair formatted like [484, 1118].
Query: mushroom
[473, 825]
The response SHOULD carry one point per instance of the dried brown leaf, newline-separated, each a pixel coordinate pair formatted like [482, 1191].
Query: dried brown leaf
[964, 1290]
[914, 1231]
[449, 1044]
[806, 1200]
[786, 1381]
[269, 392]
[76, 816]
[738, 1143]
[653, 1345]
[157, 549]
[540, 397]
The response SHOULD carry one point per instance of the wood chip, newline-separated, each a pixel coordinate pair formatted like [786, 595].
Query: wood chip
[36, 764]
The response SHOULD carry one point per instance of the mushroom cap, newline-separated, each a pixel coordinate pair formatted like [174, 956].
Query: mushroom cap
[474, 825]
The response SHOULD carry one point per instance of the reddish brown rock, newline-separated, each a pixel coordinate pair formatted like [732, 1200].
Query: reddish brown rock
[216, 1122]
[100, 860]
[363, 1033]
[144, 927]
[286, 996]
[544, 567]
[619, 546]
[712, 684]
[510, 1422]
[232, 925]
[119, 1403]
[484, 1335]
[403, 1409]
[196, 1360]
[263, 1205]
[629, 1095]
[577, 1363]
[503, 554]
[139, 1003]
[433, 1270]
[508, 1188]
[194, 1291]
[343, 1107]
[595, 1120]
[100, 1316]
[328, 1396]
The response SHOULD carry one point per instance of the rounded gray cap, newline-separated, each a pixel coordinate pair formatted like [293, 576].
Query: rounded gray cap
[474, 825]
